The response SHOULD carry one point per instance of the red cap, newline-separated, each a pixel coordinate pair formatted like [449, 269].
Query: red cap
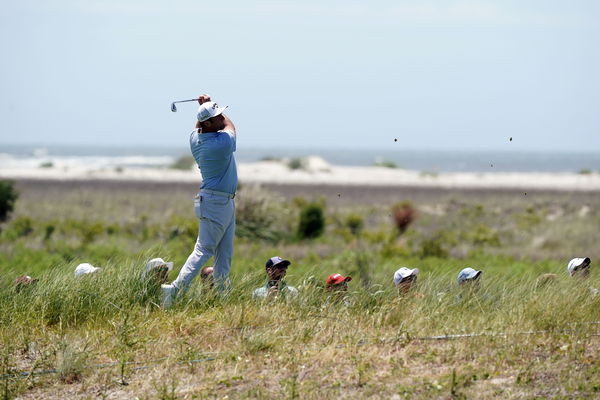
[336, 279]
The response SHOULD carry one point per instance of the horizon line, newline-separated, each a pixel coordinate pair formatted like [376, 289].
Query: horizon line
[308, 148]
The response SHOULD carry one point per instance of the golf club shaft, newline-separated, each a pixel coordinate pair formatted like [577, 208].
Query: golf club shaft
[184, 101]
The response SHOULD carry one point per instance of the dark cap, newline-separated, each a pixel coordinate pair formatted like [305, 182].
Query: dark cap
[277, 262]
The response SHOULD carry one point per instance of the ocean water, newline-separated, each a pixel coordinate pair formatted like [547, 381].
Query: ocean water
[22, 156]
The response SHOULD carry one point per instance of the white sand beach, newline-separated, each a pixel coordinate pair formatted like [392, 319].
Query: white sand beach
[316, 171]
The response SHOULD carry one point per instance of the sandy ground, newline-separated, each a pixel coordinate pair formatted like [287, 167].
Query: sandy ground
[335, 195]
[318, 172]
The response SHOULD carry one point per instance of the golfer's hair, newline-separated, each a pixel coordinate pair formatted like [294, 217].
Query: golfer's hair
[202, 126]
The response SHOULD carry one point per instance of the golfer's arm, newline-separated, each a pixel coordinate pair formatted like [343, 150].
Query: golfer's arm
[229, 126]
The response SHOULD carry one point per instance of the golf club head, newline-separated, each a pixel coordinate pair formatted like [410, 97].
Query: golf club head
[173, 107]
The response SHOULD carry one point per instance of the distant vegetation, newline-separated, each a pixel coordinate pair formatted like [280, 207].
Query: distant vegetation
[270, 158]
[8, 197]
[183, 163]
[312, 221]
[296, 163]
[433, 174]
[47, 164]
[404, 214]
[385, 164]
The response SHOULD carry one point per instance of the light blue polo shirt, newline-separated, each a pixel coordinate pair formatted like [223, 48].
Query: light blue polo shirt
[213, 153]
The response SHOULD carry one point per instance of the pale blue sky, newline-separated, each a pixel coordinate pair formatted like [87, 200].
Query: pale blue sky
[433, 74]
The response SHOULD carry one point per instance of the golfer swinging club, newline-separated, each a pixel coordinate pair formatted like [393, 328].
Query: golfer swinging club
[212, 144]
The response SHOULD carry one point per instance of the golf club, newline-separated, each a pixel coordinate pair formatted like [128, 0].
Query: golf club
[174, 108]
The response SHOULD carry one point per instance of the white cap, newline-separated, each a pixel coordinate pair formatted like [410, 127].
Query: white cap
[468, 274]
[85, 268]
[157, 263]
[578, 263]
[208, 110]
[403, 273]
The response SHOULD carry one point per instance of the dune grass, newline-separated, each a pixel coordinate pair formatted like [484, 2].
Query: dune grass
[104, 336]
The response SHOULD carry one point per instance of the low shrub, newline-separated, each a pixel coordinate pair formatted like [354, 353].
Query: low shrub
[261, 215]
[296, 163]
[385, 164]
[312, 221]
[529, 218]
[403, 214]
[435, 246]
[355, 223]
[22, 226]
[48, 231]
[8, 197]
[483, 235]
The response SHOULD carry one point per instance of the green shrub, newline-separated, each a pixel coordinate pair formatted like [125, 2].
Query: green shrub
[483, 235]
[312, 221]
[270, 158]
[47, 164]
[262, 216]
[529, 218]
[8, 196]
[391, 249]
[385, 164]
[473, 211]
[355, 223]
[90, 230]
[48, 231]
[296, 163]
[184, 163]
[435, 246]
[180, 227]
[22, 226]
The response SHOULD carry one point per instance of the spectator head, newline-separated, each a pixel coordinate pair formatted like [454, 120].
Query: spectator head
[468, 275]
[337, 283]
[24, 281]
[85, 269]
[405, 278]
[276, 268]
[206, 276]
[158, 270]
[579, 267]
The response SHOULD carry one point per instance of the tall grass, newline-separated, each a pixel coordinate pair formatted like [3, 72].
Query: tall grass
[371, 342]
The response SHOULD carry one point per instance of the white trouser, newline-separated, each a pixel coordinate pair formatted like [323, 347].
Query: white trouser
[216, 212]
